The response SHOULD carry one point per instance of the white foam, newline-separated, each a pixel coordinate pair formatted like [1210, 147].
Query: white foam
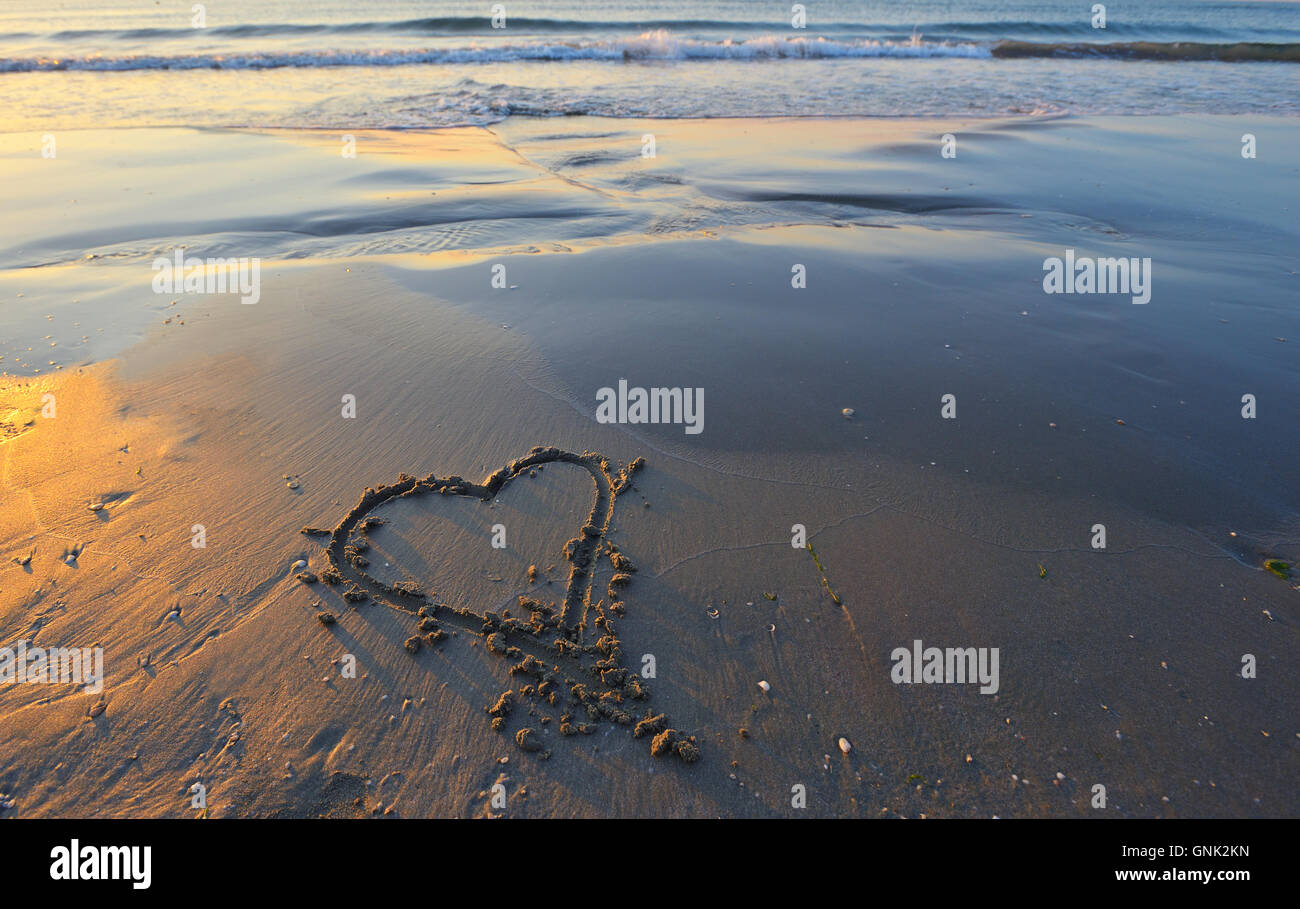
[654, 45]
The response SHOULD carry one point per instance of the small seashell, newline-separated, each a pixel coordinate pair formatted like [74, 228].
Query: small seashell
[292, 484]
[97, 506]
[298, 565]
[848, 413]
[764, 685]
[845, 745]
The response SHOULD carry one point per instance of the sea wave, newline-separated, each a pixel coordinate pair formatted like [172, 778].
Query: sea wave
[662, 45]
[657, 45]
[466, 25]
[1173, 52]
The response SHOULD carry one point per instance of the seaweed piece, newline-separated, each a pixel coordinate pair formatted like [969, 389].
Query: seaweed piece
[822, 571]
[1279, 568]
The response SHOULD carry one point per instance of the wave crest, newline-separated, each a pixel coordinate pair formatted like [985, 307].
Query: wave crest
[652, 45]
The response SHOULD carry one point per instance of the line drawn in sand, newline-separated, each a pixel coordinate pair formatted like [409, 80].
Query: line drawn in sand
[552, 646]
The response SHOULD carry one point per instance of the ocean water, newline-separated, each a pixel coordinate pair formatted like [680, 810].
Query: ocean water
[428, 63]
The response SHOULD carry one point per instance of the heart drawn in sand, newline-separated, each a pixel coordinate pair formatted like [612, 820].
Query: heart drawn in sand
[553, 646]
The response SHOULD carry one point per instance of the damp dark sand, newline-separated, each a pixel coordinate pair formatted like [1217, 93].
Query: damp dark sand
[1119, 667]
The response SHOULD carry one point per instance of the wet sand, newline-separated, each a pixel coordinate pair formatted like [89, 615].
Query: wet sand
[1119, 667]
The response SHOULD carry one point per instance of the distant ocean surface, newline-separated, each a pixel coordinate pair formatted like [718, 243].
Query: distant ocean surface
[422, 63]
